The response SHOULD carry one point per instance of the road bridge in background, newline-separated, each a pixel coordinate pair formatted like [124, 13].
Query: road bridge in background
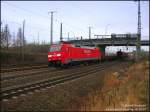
[112, 40]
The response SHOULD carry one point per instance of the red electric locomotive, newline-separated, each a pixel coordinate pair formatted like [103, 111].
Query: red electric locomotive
[66, 54]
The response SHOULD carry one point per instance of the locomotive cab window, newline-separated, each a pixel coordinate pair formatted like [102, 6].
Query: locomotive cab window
[53, 49]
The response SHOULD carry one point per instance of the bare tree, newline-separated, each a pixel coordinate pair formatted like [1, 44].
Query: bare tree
[14, 40]
[19, 37]
[19, 41]
[5, 37]
[2, 37]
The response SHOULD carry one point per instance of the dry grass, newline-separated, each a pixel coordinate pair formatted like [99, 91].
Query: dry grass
[121, 89]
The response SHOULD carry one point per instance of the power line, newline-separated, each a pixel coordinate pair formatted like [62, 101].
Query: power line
[46, 17]
[7, 22]
[29, 11]
[66, 25]
[70, 26]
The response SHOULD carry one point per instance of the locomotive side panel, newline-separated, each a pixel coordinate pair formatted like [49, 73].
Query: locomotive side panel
[83, 54]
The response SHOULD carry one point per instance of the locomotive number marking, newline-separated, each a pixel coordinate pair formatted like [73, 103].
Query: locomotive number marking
[87, 51]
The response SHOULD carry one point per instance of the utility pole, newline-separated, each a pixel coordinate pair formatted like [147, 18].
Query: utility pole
[7, 36]
[68, 36]
[106, 29]
[38, 39]
[61, 38]
[1, 35]
[23, 40]
[51, 30]
[138, 47]
[89, 32]
[14, 42]
[81, 40]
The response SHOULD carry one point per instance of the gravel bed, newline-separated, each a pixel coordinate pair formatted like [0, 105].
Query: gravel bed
[40, 76]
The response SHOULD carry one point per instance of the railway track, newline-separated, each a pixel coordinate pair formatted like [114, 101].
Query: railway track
[23, 89]
[44, 75]
[23, 68]
[25, 74]
[12, 76]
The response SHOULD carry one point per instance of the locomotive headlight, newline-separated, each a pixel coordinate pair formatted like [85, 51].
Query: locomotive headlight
[58, 55]
[49, 56]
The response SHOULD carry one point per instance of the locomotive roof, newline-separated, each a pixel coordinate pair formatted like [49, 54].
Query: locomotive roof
[88, 47]
[73, 45]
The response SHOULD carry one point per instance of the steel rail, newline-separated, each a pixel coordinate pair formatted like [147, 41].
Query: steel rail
[15, 91]
[22, 68]
[26, 74]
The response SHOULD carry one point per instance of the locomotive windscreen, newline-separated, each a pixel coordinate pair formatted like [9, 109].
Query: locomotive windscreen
[54, 48]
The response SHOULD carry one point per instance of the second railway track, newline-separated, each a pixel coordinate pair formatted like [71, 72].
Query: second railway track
[22, 68]
[23, 89]
[11, 76]
[25, 74]
[22, 80]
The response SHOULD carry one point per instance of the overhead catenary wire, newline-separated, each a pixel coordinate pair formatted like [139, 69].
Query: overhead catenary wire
[26, 10]
[29, 28]
[65, 24]
[40, 15]
[32, 26]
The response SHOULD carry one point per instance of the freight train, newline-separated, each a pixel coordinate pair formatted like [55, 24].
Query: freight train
[122, 55]
[65, 54]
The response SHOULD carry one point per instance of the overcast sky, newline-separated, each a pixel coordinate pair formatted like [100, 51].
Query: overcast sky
[76, 17]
